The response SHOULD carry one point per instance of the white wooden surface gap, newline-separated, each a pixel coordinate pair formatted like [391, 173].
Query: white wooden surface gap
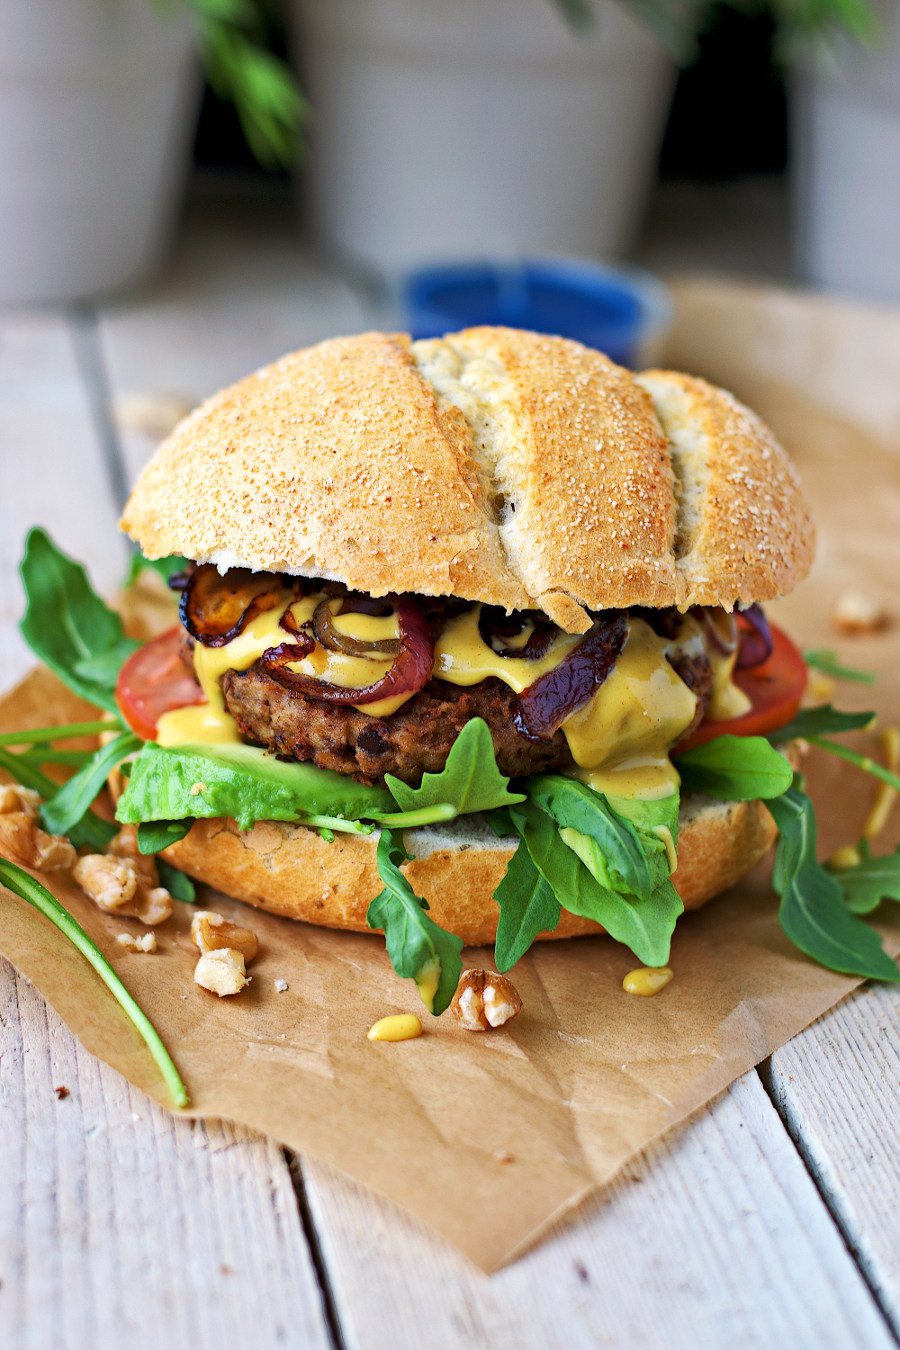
[717, 1237]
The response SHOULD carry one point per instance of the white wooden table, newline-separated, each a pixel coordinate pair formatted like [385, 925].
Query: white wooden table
[771, 1220]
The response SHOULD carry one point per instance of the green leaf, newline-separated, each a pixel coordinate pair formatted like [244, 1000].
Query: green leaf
[828, 663]
[872, 880]
[176, 882]
[864, 762]
[469, 781]
[25, 886]
[71, 803]
[243, 783]
[645, 925]
[573, 805]
[821, 721]
[155, 835]
[68, 626]
[91, 832]
[812, 911]
[419, 950]
[164, 567]
[528, 907]
[66, 732]
[735, 769]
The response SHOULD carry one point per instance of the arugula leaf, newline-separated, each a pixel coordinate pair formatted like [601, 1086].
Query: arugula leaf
[242, 782]
[872, 880]
[621, 860]
[92, 831]
[645, 925]
[812, 911]
[864, 762]
[164, 567]
[155, 835]
[820, 722]
[419, 950]
[20, 883]
[68, 626]
[176, 882]
[469, 781]
[528, 907]
[735, 769]
[828, 662]
[69, 805]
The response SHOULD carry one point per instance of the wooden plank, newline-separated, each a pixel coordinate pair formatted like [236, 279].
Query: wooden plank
[118, 1225]
[836, 1088]
[716, 1237]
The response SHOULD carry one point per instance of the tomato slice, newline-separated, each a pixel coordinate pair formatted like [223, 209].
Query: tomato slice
[775, 689]
[154, 681]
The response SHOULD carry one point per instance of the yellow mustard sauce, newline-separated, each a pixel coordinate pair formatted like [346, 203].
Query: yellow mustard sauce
[427, 981]
[399, 1027]
[647, 980]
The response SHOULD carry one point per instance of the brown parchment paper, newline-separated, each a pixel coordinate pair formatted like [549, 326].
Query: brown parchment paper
[532, 1119]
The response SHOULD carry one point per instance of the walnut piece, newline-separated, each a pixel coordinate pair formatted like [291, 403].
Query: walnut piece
[222, 972]
[484, 1000]
[23, 841]
[15, 799]
[141, 942]
[212, 932]
[122, 886]
[855, 612]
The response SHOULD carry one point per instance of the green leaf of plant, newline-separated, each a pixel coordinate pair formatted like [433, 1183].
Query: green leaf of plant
[20, 883]
[92, 831]
[573, 805]
[176, 882]
[469, 781]
[528, 907]
[735, 769]
[644, 925]
[828, 663]
[418, 949]
[872, 880]
[812, 911]
[71, 803]
[155, 835]
[241, 782]
[821, 721]
[68, 626]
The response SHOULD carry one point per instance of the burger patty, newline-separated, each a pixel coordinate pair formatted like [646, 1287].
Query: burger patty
[417, 738]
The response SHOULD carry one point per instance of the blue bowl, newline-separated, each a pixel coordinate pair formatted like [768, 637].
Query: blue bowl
[620, 311]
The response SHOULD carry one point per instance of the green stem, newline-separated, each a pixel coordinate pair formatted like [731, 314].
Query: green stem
[25, 886]
[423, 815]
[63, 733]
[78, 757]
[864, 762]
[337, 823]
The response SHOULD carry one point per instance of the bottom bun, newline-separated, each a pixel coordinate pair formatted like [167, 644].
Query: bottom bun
[292, 871]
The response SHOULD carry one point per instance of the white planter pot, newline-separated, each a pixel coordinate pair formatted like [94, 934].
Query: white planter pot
[846, 153]
[447, 128]
[97, 102]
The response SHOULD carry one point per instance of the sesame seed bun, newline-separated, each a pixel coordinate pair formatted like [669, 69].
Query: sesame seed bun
[290, 870]
[493, 465]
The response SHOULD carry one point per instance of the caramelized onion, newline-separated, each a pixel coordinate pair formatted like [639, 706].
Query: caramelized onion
[546, 704]
[497, 627]
[336, 641]
[410, 671]
[711, 621]
[755, 641]
[216, 608]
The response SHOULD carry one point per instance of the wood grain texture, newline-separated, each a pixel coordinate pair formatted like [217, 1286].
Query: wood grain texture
[715, 1237]
[835, 1086]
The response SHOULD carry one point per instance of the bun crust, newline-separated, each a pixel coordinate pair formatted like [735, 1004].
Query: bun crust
[291, 871]
[496, 465]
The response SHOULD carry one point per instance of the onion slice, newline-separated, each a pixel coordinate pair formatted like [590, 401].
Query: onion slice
[336, 641]
[411, 669]
[755, 641]
[496, 628]
[215, 608]
[719, 627]
[546, 704]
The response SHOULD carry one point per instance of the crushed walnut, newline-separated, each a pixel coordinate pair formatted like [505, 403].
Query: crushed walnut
[213, 932]
[21, 837]
[137, 942]
[855, 612]
[484, 1000]
[222, 972]
[124, 881]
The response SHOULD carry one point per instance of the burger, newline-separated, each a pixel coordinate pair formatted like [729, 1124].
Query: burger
[472, 651]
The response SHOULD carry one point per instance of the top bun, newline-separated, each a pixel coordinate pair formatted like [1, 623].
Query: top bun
[493, 464]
